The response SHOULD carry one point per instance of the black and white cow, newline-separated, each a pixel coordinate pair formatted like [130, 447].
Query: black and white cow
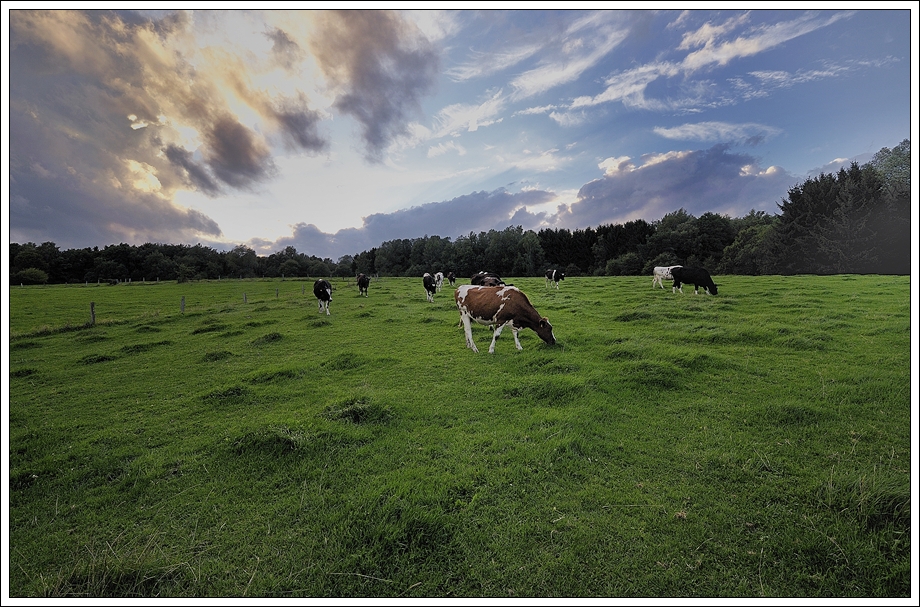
[487, 279]
[323, 291]
[554, 276]
[439, 280]
[500, 307]
[662, 273]
[363, 283]
[698, 277]
[451, 278]
[430, 288]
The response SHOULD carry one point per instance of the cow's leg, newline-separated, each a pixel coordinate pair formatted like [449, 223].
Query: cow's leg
[517, 342]
[465, 320]
[498, 331]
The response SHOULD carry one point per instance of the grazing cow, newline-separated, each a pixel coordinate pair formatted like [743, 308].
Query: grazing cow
[487, 279]
[439, 281]
[554, 276]
[451, 278]
[661, 273]
[698, 277]
[500, 307]
[363, 283]
[323, 291]
[430, 288]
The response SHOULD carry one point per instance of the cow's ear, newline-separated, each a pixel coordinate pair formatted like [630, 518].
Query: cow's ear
[543, 322]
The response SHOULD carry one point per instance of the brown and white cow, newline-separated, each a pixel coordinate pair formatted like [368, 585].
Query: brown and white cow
[487, 279]
[323, 291]
[363, 283]
[500, 307]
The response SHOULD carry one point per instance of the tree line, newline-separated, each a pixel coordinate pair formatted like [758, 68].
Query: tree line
[856, 220]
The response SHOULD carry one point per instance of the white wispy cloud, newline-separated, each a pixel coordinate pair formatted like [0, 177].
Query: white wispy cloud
[577, 55]
[568, 118]
[717, 131]
[707, 33]
[761, 39]
[629, 86]
[486, 64]
[469, 117]
[444, 147]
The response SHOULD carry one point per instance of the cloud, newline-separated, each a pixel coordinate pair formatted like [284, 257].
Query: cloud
[698, 181]
[122, 111]
[380, 66]
[718, 131]
[460, 117]
[485, 64]
[285, 50]
[474, 212]
[630, 86]
[759, 39]
[583, 45]
[443, 148]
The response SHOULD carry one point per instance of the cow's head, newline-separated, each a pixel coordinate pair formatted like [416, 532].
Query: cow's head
[545, 331]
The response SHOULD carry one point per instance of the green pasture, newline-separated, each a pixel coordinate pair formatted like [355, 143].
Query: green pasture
[750, 444]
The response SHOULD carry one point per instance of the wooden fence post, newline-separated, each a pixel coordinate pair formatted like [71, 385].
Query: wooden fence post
[182, 305]
[92, 312]
[244, 298]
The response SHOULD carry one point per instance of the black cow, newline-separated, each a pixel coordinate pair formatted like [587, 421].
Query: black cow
[323, 291]
[698, 277]
[430, 286]
[451, 278]
[487, 279]
[363, 283]
[554, 276]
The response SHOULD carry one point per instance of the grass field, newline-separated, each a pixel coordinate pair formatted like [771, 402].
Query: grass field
[752, 444]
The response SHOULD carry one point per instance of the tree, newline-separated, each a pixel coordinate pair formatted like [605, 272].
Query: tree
[29, 276]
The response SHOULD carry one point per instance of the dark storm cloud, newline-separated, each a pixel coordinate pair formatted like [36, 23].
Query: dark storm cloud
[235, 155]
[382, 65]
[198, 176]
[713, 180]
[109, 120]
[299, 125]
[285, 51]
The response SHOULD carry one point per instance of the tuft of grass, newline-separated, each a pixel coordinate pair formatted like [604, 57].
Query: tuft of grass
[268, 338]
[358, 411]
[216, 356]
[92, 359]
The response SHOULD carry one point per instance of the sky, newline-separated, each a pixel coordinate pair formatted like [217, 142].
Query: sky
[334, 132]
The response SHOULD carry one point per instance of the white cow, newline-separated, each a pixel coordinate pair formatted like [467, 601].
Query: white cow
[662, 273]
[439, 281]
